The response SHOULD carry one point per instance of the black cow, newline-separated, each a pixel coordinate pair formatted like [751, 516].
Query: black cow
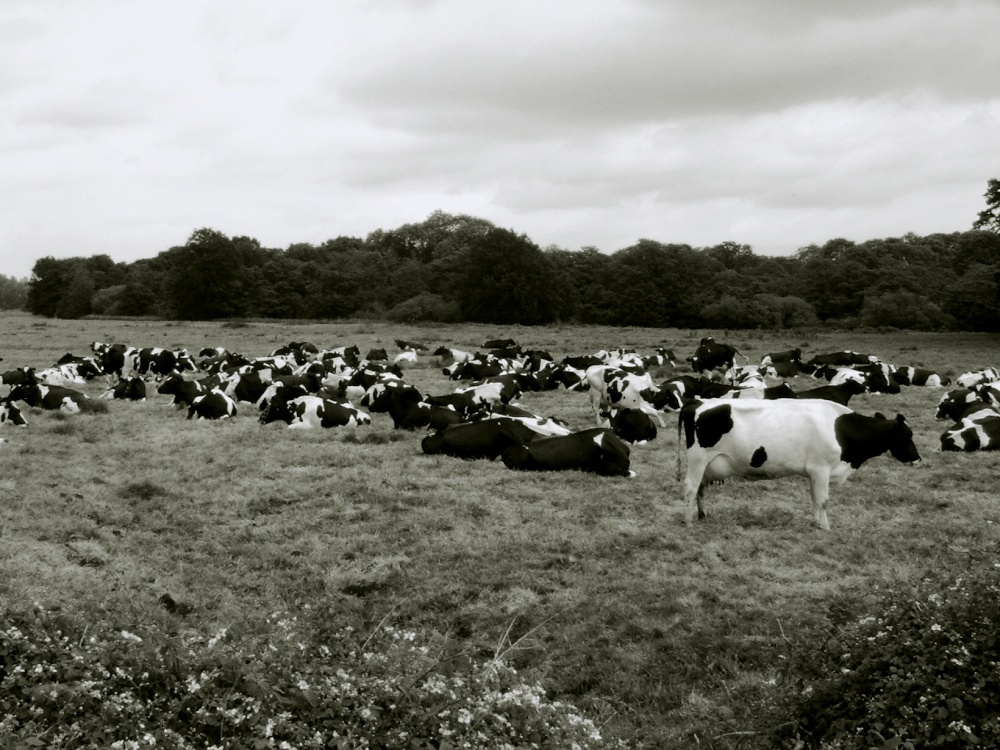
[633, 425]
[711, 355]
[405, 406]
[500, 344]
[783, 369]
[844, 358]
[472, 440]
[19, 376]
[788, 356]
[840, 394]
[410, 346]
[132, 388]
[597, 450]
[377, 355]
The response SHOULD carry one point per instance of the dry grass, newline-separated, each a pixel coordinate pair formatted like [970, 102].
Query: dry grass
[669, 634]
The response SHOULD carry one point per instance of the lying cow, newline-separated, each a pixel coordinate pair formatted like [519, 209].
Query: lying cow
[633, 425]
[406, 407]
[597, 450]
[212, 405]
[132, 388]
[472, 440]
[978, 430]
[306, 412]
[10, 414]
[920, 376]
[51, 397]
[817, 439]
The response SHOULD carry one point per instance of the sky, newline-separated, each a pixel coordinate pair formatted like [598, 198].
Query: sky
[126, 125]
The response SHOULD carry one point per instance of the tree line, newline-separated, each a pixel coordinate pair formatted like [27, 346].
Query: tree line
[453, 268]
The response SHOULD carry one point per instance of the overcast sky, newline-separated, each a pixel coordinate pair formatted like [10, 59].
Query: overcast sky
[127, 124]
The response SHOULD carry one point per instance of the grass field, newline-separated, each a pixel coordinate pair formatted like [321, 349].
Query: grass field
[668, 636]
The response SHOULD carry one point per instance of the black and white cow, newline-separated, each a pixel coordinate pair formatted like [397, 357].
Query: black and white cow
[977, 430]
[957, 403]
[920, 376]
[112, 358]
[306, 412]
[10, 414]
[184, 391]
[50, 397]
[597, 450]
[978, 377]
[212, 405]
[817, 439]
[474, 440]
[612, 388]
[711, 355]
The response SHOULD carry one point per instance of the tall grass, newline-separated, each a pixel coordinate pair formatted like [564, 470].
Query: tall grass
[667, 636]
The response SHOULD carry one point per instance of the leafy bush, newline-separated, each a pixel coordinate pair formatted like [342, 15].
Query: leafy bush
[66, 685]
[921, 673]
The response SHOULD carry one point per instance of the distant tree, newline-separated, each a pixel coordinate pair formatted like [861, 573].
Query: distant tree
[904, 310]
[75, 300]
[507, 279]
[50, 277]
[205, 280]
[13, 293]
[974, 299]
[989, 218]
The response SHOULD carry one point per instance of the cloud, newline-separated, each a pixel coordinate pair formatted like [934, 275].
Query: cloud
[129, 123]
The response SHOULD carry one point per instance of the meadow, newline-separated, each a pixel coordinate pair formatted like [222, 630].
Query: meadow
[666, 636]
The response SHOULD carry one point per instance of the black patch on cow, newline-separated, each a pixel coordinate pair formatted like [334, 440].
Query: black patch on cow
[758, 458]
[712, 424]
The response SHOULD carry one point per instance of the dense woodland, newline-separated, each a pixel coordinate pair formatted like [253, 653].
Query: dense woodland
[452, 268]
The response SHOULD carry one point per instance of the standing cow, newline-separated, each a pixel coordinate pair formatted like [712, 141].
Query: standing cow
[817, 439]
[711, 355]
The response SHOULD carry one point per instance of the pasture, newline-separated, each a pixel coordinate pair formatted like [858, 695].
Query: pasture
[668, 636]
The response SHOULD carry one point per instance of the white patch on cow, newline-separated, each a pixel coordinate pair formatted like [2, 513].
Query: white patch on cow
[69, 405]
[407, 356]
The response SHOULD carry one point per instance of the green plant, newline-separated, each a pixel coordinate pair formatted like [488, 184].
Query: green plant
[296, 685]
[921, 672]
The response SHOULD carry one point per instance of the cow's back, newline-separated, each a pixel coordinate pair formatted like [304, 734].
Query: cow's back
[761, 438]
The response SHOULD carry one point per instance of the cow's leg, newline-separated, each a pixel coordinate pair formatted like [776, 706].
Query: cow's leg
[820, 484]
[693, 491]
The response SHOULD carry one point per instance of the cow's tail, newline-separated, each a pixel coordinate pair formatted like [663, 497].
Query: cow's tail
[743, 355]
[680, 447]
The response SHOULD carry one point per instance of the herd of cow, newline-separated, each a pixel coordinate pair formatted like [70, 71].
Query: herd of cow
[731, 422]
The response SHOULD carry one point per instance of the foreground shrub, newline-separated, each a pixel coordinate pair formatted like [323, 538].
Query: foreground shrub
[69, 686]
[921, 672]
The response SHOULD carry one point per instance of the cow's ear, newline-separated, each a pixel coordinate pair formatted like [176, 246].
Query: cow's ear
[879, 415]
[900, 419]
